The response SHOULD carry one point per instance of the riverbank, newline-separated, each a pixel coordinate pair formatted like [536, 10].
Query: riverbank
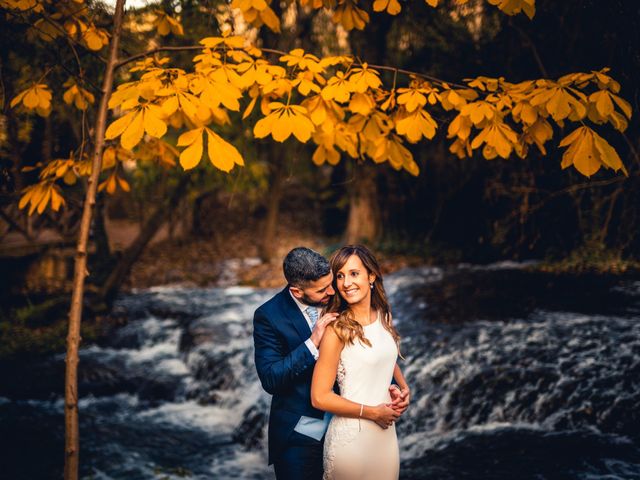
[231, 258]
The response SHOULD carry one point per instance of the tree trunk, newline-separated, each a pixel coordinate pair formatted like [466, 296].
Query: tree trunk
[47, 140]
[132, 253]
[364, 223]
[102, 260]
[268, 241]
[72, 441]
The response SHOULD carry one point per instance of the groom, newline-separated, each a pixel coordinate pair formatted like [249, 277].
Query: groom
[286, 335]
[287, 332]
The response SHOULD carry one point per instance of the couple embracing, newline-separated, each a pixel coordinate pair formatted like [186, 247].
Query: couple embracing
[331, 324]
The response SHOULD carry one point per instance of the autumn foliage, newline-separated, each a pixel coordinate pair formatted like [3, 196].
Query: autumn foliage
[346, 107]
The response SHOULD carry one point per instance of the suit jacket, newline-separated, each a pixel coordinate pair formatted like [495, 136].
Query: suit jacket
[284, 365]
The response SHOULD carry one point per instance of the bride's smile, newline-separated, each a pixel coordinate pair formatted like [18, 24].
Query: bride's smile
[353, 282]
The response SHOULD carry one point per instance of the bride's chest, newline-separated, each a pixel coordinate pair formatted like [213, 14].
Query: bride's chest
[382, 352]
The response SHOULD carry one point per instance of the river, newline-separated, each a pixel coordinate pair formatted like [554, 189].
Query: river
[514, 375]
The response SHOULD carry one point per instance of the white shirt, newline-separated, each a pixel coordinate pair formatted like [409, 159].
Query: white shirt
[312, 348]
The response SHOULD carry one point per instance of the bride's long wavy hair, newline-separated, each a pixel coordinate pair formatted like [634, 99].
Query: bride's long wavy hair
[346, 326]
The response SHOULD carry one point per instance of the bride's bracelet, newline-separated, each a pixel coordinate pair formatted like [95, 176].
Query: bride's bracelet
[361, 409]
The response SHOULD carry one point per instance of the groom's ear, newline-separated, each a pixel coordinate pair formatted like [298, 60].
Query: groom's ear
[296, 292]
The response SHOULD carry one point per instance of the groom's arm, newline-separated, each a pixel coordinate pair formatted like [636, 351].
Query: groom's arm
[399, 390]
[277, 368]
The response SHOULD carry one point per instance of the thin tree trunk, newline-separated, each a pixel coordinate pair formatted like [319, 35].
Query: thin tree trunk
[72, 441]
[132, 253]
[364, 223]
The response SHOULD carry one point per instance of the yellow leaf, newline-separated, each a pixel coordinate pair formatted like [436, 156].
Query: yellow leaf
[95, 38]
[391, 6]
[37, 97]
[264, 126]
[623, 105]
[338, 88]
[583, 156]
[363, 78]
[166, 24]
[282, 127]
[44, 200]
[187, 138]
[270, 19]
[499, 137]
[417, 125]
[361, 103]
[283, 121]
[581, 153]
[133, 132]
[512, 7]
[460, 127]
[31, 99]
[411, 98]
[303, 127]
[119, 126]
[169, 106]
[603, 101]
[18, 98]
[190, 156]
[26, 196]
[304, 61]
[111, 184]
[124, 185]
[152, 123]
[324, 154]
[249, 108]
[77, 95]
[70, 178]
[222, 154]
[540, 132]
[56, 200]
[608, 155]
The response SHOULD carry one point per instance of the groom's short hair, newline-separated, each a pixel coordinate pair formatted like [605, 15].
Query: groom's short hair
[303, 265]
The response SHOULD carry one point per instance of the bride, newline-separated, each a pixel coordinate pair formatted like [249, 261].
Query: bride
[360, 349]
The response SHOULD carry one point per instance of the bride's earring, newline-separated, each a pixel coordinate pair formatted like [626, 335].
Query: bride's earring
[371, 285]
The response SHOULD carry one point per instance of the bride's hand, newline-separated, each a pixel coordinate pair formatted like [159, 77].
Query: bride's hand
[384, 415]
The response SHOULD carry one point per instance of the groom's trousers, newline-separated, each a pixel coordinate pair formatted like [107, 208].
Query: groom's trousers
[301, 459]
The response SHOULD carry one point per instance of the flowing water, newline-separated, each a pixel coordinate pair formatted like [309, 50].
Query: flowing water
[514, 375]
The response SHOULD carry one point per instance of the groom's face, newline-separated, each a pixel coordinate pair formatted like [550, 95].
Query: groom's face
[316, 293]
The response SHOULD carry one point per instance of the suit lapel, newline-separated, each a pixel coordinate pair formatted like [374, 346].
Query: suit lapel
[294, 315]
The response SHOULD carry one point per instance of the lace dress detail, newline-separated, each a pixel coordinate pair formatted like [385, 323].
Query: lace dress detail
[359, 448]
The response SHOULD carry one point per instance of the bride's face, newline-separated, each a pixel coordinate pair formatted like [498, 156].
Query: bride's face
[353, 281]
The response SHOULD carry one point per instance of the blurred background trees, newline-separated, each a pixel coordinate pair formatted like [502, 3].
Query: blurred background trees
[455, 210]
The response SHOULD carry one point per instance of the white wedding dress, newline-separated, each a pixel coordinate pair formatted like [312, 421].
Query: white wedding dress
[358, 448]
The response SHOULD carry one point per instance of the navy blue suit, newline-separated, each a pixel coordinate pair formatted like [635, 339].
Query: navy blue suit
[285, 367]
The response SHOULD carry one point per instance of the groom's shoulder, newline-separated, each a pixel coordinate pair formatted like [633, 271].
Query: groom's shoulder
[275, 303]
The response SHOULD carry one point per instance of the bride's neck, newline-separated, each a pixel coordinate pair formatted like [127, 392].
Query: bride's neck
[362, 312]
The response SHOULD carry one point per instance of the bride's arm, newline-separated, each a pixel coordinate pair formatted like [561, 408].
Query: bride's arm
[399, 378]
[324, 376]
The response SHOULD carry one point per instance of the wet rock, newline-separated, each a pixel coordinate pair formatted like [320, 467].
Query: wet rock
[250, 433]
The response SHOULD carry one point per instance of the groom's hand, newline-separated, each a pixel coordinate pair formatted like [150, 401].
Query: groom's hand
[321, 325]
[400, 399]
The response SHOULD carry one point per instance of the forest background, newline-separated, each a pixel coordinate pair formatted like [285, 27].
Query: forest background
[155, 223]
